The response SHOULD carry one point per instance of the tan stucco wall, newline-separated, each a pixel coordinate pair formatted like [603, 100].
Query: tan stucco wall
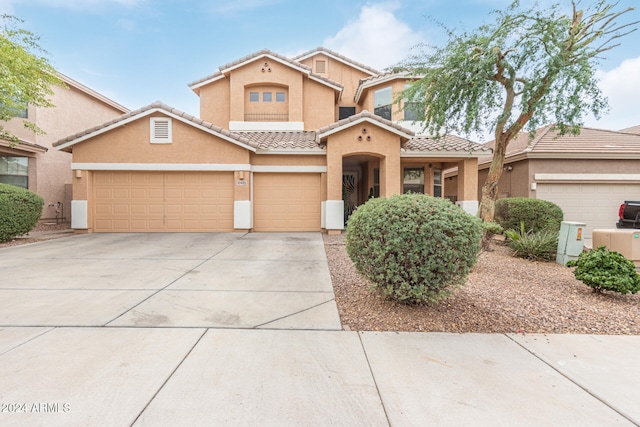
[214, 103]
[307, 100]
[319, 105]
[131, 144]
[252, 74]
[73, 111]
[338, 71]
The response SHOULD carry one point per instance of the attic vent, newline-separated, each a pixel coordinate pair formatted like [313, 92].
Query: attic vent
[160, 130]
[321, 67]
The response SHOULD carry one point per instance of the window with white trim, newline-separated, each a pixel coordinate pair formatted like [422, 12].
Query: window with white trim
[14, 171]
[161, 132]
[437, 182]
[382, 100]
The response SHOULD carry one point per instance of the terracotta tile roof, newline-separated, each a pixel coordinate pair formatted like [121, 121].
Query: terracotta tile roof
[446, 143]
[343, 58]
[365, 115]
[160, 106]
[283, 140]
[590, 142]
[264, 52]
[381, 78]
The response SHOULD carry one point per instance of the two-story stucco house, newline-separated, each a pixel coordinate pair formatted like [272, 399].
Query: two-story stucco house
[281, 144]
[32, 163]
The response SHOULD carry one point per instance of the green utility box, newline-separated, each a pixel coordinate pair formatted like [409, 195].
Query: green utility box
[571, 241]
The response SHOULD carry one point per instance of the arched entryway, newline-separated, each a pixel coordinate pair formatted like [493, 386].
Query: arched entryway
[360, 180]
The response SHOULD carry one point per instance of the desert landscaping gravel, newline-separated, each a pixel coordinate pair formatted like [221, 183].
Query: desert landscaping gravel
[503, 294]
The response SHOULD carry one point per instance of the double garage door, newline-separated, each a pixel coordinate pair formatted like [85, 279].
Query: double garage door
[592, 203]
[201, 201]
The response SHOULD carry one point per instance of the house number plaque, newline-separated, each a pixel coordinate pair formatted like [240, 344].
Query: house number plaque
[241, 182]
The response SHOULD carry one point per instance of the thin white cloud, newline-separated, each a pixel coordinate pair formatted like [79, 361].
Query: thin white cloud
[376, 37]
[622, 87]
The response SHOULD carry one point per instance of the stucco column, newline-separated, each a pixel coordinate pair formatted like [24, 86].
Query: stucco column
[391, 174]
[468, 185]
[80, 213]
[242, 205]
[334, 206]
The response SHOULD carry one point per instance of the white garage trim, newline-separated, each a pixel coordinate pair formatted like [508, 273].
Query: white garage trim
[587, 177]
[185, 167]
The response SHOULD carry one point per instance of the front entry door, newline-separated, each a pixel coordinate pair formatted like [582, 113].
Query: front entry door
[350, 192]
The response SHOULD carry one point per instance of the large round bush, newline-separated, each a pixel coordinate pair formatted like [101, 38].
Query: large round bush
[414, 248]
[537, 215]
[20, 211]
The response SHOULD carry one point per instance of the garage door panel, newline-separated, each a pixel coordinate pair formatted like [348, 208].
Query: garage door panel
[286, 202]
[163, 201]
[595, 204]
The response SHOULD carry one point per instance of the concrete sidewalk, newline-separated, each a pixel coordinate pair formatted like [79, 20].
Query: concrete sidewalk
[242, 329]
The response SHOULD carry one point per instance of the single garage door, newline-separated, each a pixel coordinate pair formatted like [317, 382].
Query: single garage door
[594, 204]
[163, 201]
[286, 201]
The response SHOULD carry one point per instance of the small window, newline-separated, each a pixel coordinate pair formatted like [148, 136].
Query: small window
[321, 67]
[254, 96]
[437, 183]
[161, 130]
[14, 171]
[267, 96]
[281, 97]
[344, 112]
[412, 109]
[376, 182]
[413, 180]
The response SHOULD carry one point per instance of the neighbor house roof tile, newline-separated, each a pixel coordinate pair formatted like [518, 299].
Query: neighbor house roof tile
[590, 142]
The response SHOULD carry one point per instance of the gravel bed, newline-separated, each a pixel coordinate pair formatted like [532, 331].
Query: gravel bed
[42, 231]
[503, 294]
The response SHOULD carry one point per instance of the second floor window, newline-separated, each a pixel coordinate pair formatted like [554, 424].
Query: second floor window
[382, 100]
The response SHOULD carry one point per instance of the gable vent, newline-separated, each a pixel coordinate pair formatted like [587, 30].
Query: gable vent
[160, 130]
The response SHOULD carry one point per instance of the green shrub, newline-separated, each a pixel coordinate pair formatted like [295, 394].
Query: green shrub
[532, 245]
[20, 211]
[603, 269]
[536, 214]
[414, 248]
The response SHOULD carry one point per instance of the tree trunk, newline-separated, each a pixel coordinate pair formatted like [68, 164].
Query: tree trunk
[490, 187]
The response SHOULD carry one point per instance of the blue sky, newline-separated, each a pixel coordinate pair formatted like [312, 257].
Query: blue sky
[140, 51]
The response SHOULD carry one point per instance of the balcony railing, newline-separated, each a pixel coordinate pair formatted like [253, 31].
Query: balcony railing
[266, 117]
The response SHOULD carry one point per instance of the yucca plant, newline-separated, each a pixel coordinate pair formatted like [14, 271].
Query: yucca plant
[539, 245]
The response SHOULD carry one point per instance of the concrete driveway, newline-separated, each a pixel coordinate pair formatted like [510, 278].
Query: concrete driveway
[242, 330]
[227, 280]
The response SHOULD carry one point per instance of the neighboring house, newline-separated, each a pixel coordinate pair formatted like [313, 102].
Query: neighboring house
[633, 129]
[32, 163]
[588, 175]
[281, 144]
